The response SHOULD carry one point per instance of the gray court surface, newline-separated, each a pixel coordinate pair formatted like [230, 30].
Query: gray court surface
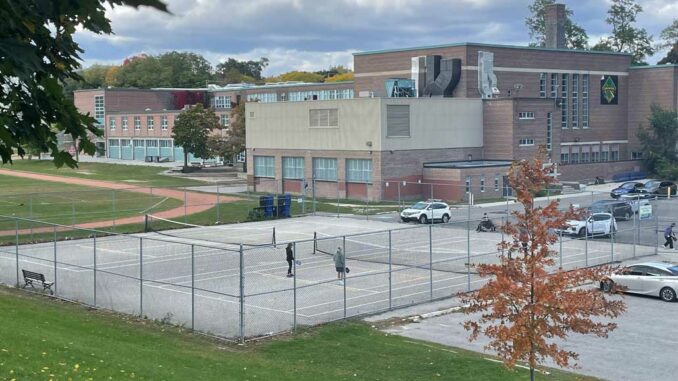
[201, 281]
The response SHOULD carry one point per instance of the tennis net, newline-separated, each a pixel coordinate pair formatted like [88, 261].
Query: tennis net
[229, 235]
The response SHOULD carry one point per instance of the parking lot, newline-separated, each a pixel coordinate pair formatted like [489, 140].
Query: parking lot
[642, 347]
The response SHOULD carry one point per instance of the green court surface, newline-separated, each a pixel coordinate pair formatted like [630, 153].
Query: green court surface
[47, 339]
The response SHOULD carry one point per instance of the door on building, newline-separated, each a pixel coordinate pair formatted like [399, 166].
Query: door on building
[507, 190]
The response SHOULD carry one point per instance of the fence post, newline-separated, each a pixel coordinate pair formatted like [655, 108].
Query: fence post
[586, 244]
[390, 281]
[294, 292]
[193, 287]
[430, 260]
[501, 229]
[114, 209]
[313, 193]
[337, 200]
[242, 297]
[634, 226]
[612, 234]
[150, 199]
[560, 240]
[95, 268]
[343, 244]
[185, 207]
[218, 207]
[656, 228]
[468, 246]
[30, 213]
[16, 249]
[141, 277]
[55, 260]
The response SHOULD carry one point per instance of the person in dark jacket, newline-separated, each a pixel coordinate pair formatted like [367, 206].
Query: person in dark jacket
[290, 259]
[669, 236]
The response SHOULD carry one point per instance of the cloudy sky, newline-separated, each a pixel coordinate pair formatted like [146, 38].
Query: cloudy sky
[315, 34]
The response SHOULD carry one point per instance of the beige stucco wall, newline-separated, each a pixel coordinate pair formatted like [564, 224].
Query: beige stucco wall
[285, 125]
[434, 123]
[437, 123]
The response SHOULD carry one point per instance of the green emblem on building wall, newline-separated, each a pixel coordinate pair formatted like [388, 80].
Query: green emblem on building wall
[609, 90]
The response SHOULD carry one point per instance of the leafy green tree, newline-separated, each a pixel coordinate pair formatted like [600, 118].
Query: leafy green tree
[172, 69]
[37, 55]
[236, 131]
[671, 56]
[226, 71]
[669, 35]
[659, 142]
[536, 23]
[626, 37]
[303, 76]
[334, 70]
[192, 130]
[341, 77]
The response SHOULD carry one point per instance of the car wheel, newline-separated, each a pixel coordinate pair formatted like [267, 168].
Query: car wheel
[582, 232]
[607, 286]
[446, 218]
[423, 219]
[667, 294]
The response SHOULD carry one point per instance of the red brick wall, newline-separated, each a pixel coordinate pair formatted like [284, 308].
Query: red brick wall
[587, 172]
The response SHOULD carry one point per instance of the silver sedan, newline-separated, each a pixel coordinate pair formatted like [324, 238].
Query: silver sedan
[649, 278]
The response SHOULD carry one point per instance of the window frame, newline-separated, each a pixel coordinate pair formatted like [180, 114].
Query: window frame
[298, 171]
[365, 173]
[526, 115]
[268, 165]
[317, 169]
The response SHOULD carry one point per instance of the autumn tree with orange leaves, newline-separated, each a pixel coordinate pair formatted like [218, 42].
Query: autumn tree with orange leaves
[528, 303]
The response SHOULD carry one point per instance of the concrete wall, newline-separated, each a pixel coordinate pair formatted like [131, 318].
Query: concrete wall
[588, 172]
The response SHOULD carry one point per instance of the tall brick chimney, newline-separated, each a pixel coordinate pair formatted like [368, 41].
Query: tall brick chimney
[554, 17]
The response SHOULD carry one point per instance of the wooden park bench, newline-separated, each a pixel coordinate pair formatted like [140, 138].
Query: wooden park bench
[30, 277]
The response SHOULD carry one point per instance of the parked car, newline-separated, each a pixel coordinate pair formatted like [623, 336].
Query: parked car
[635, 200]
[659, 187]
[597, 224]
[649, 278]
[619, 209]
[630, 187]
[427, 211]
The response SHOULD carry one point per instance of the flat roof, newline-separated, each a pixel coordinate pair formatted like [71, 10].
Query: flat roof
[653, 66]
[469, 164]
[247, 86]
[451, 45]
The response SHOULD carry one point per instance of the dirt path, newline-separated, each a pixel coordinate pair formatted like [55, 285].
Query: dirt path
[194, 202]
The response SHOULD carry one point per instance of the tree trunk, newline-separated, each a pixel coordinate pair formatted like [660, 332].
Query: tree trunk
[185, 160]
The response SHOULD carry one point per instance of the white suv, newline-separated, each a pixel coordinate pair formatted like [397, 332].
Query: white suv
[596, 224]
[425, 211]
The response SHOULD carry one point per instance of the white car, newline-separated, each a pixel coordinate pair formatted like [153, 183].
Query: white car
[649, 278]
[596, 224]
[635, 201]
[427, 211]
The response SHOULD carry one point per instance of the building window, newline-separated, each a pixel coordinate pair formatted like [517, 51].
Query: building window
[293, 168]
[138, 143]
[225, 120]
[526, 142]
[137, 123]
[222, 101]
[325, 169]
[636, 155]
[467, 184]
[114, 143]
[111, 123]
[526, 115]
[549, 131]
[585, 157]
[482, 183]
[542, 85]
[585, 101]
[574, 155]
[554, 86]
[99, 110]
[614, 152]
[264, 166]
[165, 143]
[123, 122]
[359, 170]
[150, 123]
[564, 157]
[595, 154]
[397, 121]
[605, 153]
[163, 122]
[575, 100]
[263, 97]
[151, 143]
[241, 157]
[563, 101]
[326, 117]
[496, 183]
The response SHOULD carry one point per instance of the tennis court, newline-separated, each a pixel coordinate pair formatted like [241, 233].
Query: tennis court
[201, 278]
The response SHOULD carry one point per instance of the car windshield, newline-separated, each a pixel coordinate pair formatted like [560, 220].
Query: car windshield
[598, 208]
[628, 185]
[673, 270]
[652, 184]
[419, 206]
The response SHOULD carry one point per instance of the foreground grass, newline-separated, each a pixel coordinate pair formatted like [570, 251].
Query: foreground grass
[134, 175]
[44, 339]
[63, 203]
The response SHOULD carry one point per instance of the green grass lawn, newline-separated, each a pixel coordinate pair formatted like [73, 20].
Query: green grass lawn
[63, 203]
[134, 175]
[43, 339]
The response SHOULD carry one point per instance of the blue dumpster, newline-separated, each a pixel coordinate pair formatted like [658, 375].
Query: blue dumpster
[266, 204]
[284, 205]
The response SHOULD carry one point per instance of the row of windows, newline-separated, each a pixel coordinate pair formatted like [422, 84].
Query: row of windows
[468, 183]
[221, 101]
[526, 115]
[263, 97]
[320, 95]
[589, 154]
[139, 143]
[569, 116]
[150, 123]
[526, 142]
[99, 109]
[324, 169]
[328, 117]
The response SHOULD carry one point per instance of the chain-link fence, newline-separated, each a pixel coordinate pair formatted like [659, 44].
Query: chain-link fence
[243, 292]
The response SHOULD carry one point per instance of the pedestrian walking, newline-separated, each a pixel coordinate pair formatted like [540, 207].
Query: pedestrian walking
[340, 264]
[290, 259]
[669, 236]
